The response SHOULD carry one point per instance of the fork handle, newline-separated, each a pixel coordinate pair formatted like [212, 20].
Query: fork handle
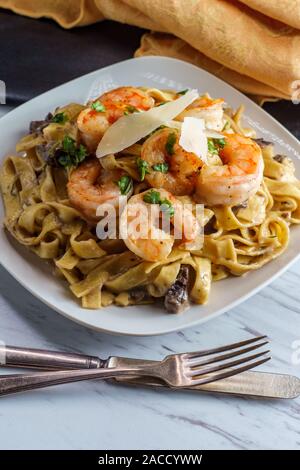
[43, 359]
[23, 382]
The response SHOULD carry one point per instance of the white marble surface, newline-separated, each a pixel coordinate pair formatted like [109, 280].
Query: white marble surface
[95, 415]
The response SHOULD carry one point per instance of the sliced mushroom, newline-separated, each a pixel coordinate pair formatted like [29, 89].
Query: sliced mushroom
[177, 298]
[49, 152]
[262, 142]
[243, 205]
[36, 127]
[280, 158]
[138, 294]
[210, 228]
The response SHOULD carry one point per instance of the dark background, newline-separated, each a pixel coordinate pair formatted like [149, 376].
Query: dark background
[37, 55]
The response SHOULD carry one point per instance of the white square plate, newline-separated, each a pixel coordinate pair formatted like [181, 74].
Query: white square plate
[160, 72]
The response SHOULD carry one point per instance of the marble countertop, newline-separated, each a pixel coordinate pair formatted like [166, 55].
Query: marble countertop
[96, 415]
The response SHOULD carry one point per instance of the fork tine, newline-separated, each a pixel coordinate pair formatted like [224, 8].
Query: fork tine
[209, 370]
[195, 362]
[228, 347]
[230, 373]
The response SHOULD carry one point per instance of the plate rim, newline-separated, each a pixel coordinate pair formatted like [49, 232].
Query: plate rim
[193, 322]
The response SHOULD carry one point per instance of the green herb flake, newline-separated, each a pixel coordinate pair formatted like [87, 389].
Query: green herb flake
[221, 143]
[182, 92]
[60, 118]
[130, 110]
[170, 143]
[152, 197]
[81, 154]
[69, 144]
[70, 154]
[162, 167]
[214, 145]
[98, 106]
[64, 160]
[211, 147]
[125, 184]
[143, 168]
[166, 206]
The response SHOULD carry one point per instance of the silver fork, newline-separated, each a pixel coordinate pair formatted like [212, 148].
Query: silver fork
[176, 371]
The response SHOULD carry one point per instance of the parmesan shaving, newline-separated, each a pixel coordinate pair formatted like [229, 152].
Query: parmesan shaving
[130, 129]
[208, 132]
[193, 138]
[214, 134]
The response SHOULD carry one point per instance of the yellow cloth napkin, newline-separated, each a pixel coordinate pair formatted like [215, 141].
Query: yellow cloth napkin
[252, 44]
[164, 44]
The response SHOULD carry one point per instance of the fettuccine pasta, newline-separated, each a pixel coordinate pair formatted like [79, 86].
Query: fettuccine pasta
[50, 198]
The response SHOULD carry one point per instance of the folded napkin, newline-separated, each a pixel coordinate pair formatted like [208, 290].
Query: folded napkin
[167, 45]
[252, 44]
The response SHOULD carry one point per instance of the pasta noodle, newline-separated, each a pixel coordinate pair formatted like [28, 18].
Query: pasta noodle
[237, 239]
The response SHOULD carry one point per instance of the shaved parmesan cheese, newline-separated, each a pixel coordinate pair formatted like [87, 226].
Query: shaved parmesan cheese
[173, 124]
[214, 134]
[193, 137]
[130, 129]
[209, 133]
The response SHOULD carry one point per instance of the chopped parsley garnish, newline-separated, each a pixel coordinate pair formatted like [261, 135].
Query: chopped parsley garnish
[153, 197]
[211, 147]
[125, 184]
[130, 109]
[68, 144]
[214, 145]
[70, 154]
[182, 92]
[64, 160]
[166, 206]
[162, 167]
[171, 140]
[59, 118]
[98, 106]
[221, 143]
[161, 104]
[143, 168]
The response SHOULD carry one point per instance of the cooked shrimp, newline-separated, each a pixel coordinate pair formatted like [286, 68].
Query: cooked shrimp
[208, 109]
[237, 179]
[90, 186]
[140, 225]
[93, 122]
[180, 167]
